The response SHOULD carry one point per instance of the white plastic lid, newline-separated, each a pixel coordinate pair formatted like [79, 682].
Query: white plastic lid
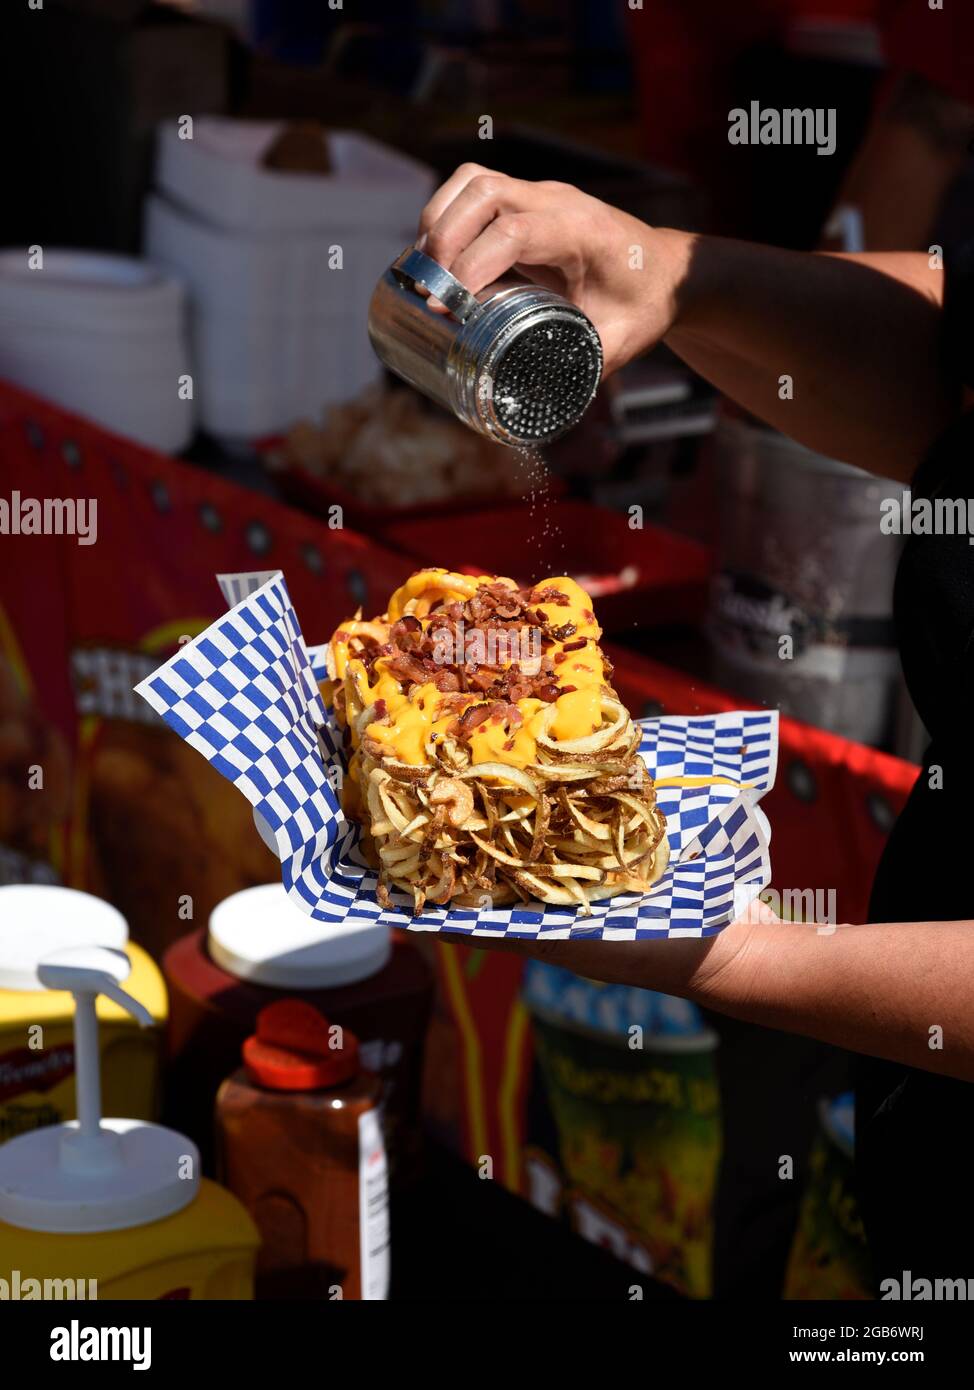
[38, 919]
[52, 1180]
[259, 934]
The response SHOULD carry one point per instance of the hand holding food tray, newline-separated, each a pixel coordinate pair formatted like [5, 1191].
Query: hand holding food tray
[666, 840]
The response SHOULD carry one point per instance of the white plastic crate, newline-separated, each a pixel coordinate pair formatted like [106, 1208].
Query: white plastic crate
[278, 331]
[218, 175]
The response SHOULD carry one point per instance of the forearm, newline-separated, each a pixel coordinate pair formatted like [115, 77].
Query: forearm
[857, 336]
[903, 991]
[884, 990]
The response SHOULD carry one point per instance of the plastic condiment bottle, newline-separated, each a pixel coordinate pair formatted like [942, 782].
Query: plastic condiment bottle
[259, 948]
[37, 1083]
[299, 1142]
[114, 1207]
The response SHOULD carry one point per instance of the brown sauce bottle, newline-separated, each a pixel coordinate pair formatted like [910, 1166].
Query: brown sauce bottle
[300, 1144]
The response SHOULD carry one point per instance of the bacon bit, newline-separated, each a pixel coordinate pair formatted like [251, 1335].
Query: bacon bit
[559, 658]
[372, 654]
[509, 744]
[575, 646]
[588, 615]
[549, 595]
[456, 700]
[407, 633]
[409, 668]
[567, 689]
[412, 653]
[470, 718]
[481, 679]
[381, 709]
[446, 680]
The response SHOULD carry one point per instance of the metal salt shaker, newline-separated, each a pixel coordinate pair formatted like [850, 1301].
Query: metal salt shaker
[516, 362]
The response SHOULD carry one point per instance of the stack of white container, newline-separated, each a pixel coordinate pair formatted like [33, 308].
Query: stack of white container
[280, 265]
[103, 336]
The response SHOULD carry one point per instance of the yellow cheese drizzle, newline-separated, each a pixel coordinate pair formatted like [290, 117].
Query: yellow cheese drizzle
[411, 718]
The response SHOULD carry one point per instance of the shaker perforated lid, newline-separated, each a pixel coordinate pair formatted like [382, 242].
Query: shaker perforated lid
[515, 361]
[258, 934]
[545, 377]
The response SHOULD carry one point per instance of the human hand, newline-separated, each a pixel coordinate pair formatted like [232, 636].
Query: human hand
[708, 970]
[621, 273]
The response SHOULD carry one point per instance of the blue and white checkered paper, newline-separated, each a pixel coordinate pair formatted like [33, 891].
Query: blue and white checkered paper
[244, 694]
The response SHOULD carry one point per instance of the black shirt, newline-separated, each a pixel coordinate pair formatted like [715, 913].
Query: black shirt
[915, 1130]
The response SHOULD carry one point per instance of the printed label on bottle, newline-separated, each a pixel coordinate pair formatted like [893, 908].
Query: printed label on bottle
[373, 1207]
[25, 1070]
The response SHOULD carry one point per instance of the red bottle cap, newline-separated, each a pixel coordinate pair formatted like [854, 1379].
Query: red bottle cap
[293, 1049]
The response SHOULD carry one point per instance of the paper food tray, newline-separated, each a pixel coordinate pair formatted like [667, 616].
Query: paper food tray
[244, 694]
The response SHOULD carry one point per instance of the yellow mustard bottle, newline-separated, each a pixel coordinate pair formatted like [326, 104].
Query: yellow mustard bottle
[111, 1208]
[36, 1027]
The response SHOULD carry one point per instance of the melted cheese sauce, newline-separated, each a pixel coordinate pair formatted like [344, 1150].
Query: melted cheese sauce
[411, 719]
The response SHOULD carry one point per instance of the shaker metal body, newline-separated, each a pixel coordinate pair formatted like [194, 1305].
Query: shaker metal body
[516, 362]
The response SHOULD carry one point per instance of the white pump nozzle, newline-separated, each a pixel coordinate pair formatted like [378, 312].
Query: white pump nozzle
[89, 1174]
[92, 970]
[87, 971]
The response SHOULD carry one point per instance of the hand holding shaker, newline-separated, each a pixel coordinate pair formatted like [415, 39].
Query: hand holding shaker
[515, 361]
